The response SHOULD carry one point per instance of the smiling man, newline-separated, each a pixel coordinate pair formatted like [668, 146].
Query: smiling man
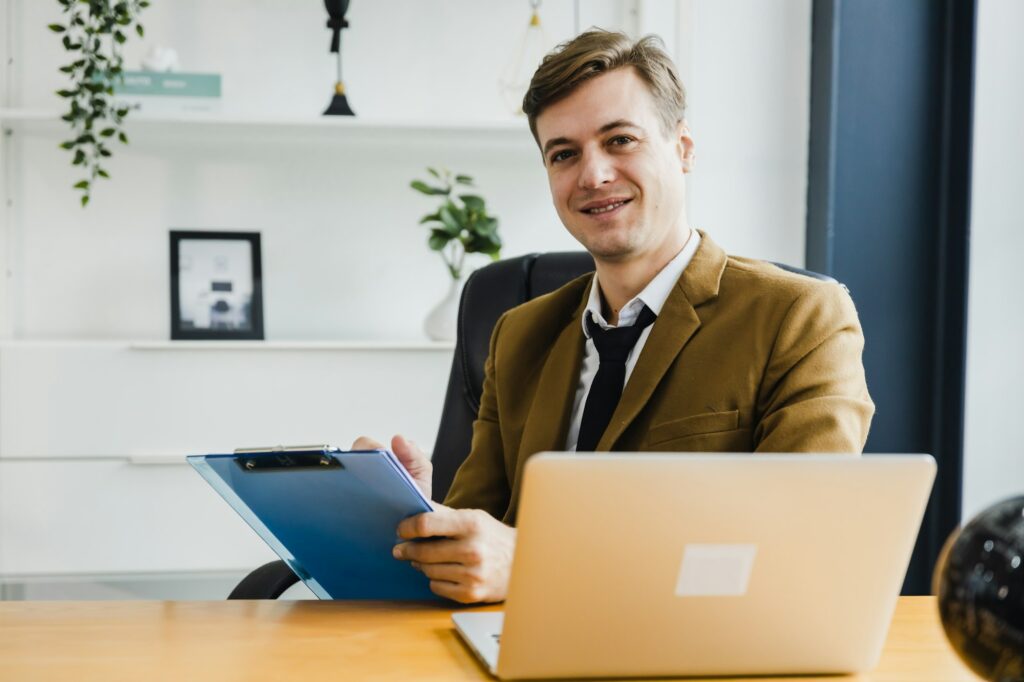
[671, 345]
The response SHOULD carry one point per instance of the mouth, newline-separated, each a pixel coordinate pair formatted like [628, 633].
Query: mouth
[607, 206]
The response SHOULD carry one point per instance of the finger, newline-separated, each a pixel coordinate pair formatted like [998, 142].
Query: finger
[409, 454]
[452, 591]
[441, 523]
[437, 552]
[367, 443]
[452, 573]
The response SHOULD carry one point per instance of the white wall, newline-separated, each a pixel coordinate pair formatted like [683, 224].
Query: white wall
[339, 222]
[993, 450]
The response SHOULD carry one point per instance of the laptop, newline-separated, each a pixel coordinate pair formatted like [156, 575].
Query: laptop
[703, 564]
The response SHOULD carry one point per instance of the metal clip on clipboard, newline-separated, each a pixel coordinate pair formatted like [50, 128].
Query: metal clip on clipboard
[288, 457]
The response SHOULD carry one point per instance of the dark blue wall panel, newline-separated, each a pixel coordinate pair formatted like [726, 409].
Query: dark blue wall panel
[888, 188]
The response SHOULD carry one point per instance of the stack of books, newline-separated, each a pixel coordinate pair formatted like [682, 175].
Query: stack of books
[154, 92]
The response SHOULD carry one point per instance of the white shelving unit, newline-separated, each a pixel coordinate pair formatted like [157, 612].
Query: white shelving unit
[254, 346]
[508, 135]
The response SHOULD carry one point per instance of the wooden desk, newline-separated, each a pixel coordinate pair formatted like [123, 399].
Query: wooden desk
[310, 640]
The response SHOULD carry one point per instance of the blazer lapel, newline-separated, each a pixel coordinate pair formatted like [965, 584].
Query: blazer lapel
[676, 324]
[547, 423]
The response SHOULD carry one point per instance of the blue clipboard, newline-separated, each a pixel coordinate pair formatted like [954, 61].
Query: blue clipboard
[331, 515]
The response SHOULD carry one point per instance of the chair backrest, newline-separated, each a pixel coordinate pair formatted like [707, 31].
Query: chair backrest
[488, 293]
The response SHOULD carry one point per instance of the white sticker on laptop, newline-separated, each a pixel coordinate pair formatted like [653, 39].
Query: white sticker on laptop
[715, 570]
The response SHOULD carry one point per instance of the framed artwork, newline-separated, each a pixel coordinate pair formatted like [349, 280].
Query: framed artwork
[216, 285]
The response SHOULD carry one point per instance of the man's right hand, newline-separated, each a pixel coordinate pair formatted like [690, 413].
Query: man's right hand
[409, 454]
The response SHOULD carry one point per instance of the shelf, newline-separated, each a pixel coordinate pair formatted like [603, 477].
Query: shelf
[386, 346]
[510, 132]
[295, 345]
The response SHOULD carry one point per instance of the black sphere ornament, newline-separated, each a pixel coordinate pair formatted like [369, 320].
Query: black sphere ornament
[336, 9]
[979, 581]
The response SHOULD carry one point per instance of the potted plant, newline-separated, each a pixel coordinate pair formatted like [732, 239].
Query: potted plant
[459, 226]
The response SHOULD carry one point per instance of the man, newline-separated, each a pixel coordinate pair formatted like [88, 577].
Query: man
[715, 353]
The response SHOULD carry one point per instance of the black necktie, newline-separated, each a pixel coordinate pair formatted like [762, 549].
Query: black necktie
[613, 346]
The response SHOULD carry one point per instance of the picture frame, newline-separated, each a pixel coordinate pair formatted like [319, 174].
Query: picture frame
[216, 285]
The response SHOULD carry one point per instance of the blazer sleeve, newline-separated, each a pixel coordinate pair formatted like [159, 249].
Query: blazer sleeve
[481, 482]
[814, 397]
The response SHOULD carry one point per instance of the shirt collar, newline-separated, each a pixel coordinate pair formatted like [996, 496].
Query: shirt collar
[653, 295]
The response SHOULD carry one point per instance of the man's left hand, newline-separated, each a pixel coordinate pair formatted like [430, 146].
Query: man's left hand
[468, 557]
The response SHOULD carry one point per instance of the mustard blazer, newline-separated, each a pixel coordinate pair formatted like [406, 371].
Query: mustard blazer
[744, 357]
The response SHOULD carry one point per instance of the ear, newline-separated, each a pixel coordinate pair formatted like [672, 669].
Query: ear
[685, 146]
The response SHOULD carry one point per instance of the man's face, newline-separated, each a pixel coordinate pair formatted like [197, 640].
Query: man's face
[616, 178]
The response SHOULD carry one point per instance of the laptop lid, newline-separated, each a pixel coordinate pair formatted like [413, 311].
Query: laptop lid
[668, 564]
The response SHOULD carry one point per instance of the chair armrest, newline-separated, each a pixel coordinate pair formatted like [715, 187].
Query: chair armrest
[268, 581]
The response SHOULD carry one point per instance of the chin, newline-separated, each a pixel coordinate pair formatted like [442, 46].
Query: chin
[609, 251]
[608, 247]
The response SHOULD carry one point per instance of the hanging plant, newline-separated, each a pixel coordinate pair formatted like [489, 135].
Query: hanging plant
[93, 33]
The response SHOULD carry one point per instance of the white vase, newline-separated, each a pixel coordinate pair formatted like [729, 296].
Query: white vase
[442, 321]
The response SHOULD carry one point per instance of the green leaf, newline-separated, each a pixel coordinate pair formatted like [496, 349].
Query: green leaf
[482, 243]
[102, 173]
[107, 132]
[423, 187]
[79, 158]
[67, 145]
[56, 28]
[85, 200]
[123, 138]
[432, 218]
[463, 180]
[473, 202]
[83, 184]
[488, 225]
[120, 37]
[67, 93]
[105, 153]
[434, 172]
[140, 30]
[449, 217]
[438, 240]
[67, 69]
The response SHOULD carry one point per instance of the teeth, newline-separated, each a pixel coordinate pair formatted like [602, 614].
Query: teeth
[605, 209]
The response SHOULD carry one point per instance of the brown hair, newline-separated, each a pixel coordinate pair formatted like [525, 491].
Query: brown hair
[598, 51]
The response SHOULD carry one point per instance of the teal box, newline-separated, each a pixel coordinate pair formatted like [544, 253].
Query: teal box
[160, 84]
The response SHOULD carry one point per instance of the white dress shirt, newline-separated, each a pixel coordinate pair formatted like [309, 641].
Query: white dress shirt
[653, 296]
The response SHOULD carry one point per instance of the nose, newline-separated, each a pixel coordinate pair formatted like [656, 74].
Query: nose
[596, 169]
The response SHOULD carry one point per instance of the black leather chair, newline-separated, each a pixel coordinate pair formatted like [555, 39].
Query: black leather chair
[487, 294]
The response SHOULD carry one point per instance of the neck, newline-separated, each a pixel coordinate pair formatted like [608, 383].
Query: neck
[621, 281]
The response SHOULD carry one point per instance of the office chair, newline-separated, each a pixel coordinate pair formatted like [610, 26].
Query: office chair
[487, 294]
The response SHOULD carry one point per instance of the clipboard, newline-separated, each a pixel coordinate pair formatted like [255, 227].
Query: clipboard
[330, 514]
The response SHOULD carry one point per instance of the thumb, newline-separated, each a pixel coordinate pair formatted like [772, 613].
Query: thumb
[411, 457]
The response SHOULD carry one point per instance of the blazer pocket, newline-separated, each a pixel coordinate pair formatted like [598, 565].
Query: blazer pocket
[709, 422]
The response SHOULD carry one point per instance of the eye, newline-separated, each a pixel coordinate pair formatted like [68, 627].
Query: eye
[620, 140]
[561, 155]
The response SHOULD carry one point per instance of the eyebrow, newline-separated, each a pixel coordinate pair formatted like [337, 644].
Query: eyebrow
[620, 123]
